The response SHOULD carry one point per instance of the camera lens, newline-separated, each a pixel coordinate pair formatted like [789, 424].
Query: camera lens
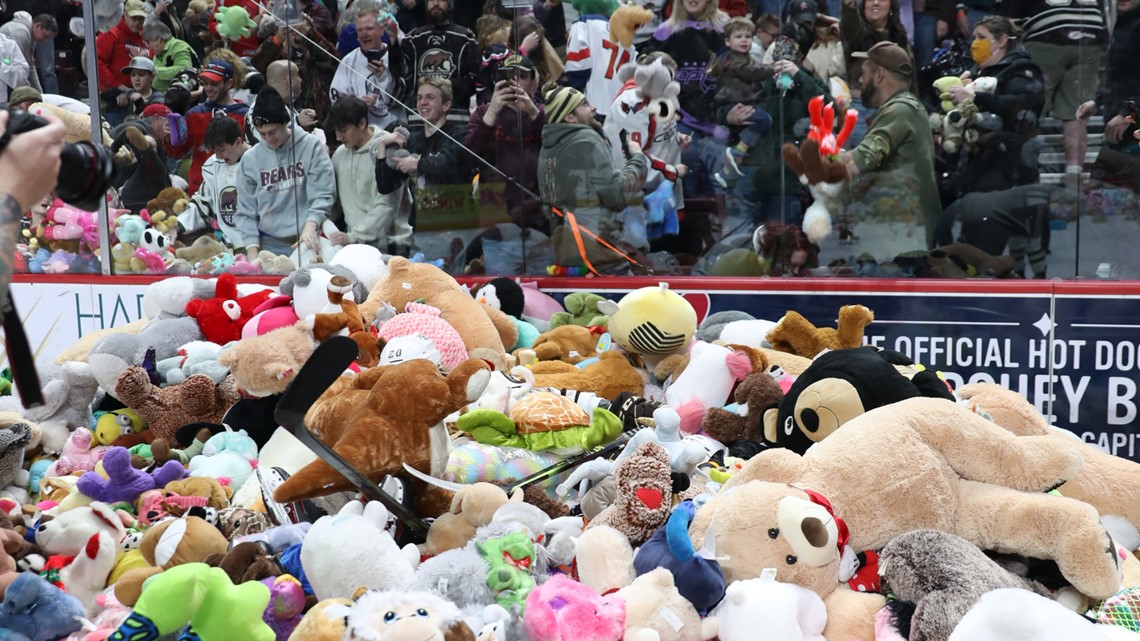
[85, 169]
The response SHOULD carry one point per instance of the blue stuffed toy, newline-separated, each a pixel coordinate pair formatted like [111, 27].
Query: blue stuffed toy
[35, 610]
[697, 575]
[662, 208]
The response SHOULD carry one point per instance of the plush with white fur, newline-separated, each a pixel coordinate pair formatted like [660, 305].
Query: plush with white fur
[1019, 615]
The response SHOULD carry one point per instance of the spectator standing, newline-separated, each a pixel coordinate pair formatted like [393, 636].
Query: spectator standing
[286, 183]
[443, 49]
[1067, 38]
[146, 136]
[116, 48]
[28, 33]
[369, 217]
[740, 80]
[593, 60]
[767, 30]
[372, 72]
[217, 79]
[861, 27]
[13, 68]
[171, 55]
[899, 141]
[213, 208]
[576, 174]
[320, 17]
[285, 77]
[1121, 77]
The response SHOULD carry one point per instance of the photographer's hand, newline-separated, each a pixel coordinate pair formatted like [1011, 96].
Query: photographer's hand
[29, 170]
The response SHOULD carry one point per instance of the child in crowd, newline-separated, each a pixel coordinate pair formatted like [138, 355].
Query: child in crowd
[740, 79]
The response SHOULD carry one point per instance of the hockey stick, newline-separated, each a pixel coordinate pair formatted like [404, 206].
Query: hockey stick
[566, 464]
[327, 363]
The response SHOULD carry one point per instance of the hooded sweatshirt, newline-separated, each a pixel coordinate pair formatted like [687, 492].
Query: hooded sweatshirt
[114, 50]
[20, 30]
[279, 190]
[371, 218]
[576, 172]
[175, 56]
[215, 203]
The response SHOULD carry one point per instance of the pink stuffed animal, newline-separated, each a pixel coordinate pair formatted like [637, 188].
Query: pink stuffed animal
[152, 263]
[275, 313]
[68, 223]
[565, 610]
[707, 381]
[242, 267]
[425, 319]
[79, 454]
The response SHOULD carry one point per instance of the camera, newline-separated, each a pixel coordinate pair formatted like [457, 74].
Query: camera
[376, 55]
[85, 169]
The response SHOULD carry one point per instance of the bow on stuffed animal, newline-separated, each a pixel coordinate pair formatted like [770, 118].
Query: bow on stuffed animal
[817, 163]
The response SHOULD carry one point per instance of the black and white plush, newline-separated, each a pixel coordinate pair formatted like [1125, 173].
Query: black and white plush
[936, 578]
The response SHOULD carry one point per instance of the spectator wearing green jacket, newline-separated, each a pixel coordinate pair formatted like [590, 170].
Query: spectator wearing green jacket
[899, 146]
[171, 55]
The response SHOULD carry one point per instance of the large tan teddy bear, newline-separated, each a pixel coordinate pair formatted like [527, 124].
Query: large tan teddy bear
[484, 330]
[1109, 483]
[916, 464]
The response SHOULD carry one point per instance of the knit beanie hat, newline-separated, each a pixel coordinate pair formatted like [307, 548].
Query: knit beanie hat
[269, 108]
[560, 102]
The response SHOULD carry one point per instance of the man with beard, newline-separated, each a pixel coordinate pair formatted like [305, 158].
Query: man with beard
[898, 145]
[217, 79]
[576, 176]
[443, 49]
[372, 72]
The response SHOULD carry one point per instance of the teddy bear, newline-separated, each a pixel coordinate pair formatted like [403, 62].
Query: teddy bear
[611, 375]
[217, 495]
[936, 577]
[222, 317]
[654, 609]
[581, 310]
[336, 566]
[1037, 617]
[68, 391]
[562, 609]
[167, 544]
[80, 454]
[247, 561]
[789, 612]
[758, 391]
[396, 615]
[381, 419]
[947, 469]
[171, 201]
[796, 335]
[343, 315]
[319, 625]
[265, 365]
[197, 399]
[1109, 483]
[706, 377]
[203, 248]
[567, 343]
[472, 508]
[485, 331]
[111, 354]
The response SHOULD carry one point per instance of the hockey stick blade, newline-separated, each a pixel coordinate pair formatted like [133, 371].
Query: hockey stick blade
[613, 447]
[327, 363]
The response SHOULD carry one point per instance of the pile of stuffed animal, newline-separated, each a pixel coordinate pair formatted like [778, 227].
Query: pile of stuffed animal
[757, 479]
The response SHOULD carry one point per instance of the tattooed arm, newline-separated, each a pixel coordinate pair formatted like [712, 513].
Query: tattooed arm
[29, 168]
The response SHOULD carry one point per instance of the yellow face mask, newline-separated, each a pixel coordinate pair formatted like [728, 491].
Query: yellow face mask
[980, 50]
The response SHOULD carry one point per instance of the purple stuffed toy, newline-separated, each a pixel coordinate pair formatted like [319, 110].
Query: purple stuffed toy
[286, 605]
[123, 482]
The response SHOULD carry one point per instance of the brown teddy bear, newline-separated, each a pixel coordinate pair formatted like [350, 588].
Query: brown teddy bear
[486, 331]
[473, 507]
[381, 419]
[611, 375]
[933, 465]
[755, 393]
[195, 400]
[567, 343]
[249, 561]
[265, 365]
[217, 496]
[166, 544]
[348, 318]
[165, 207]
[796, 335]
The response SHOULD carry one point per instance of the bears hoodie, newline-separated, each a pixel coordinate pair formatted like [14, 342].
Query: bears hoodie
[279, 190]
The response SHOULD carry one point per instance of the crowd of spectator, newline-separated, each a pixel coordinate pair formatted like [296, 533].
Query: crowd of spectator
[476, 135]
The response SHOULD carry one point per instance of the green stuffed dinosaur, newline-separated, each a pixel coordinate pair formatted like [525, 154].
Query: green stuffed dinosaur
[234, 23]
[581, 309]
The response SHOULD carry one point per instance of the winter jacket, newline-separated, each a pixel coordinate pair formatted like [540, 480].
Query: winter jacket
[196, 121]
[899, 142]
[214, 206]
[447, 51]
[114, 50]
[148, 175]
[763, 163]
[19, 29]
[279, 190]
[512, 145]
[693, 47]
[1122, 71]
[440, 162]
[738, 77]
[176, 56]
[370, 218]
[13, 68]
[1020, 95]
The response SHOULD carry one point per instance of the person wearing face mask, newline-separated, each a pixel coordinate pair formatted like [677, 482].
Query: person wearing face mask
[899, 144]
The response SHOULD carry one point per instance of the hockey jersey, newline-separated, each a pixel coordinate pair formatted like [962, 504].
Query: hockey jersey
[637, 115]
[593, 60]
[214, 205]
[196, 121]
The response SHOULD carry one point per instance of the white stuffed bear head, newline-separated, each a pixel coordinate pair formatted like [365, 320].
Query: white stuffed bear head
[789, 612]
[68, 533]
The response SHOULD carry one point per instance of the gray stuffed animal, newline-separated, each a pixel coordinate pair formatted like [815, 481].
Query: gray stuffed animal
[936, 578]
[13, 439]
[68, 392]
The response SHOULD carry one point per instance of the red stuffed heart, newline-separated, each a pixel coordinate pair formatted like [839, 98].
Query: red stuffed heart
[650, 497]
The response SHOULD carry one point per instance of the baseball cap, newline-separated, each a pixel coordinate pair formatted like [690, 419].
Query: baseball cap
[217, 71]
[889, 56]
[802, 10]
[155, 110]
[135, 9]
[516, 62]
[141, 63]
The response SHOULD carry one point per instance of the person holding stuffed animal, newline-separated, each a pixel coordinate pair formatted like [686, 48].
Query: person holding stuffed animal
[146, 137]
[214, 206]
[899, 144]
[286, 183]
[740, 80]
